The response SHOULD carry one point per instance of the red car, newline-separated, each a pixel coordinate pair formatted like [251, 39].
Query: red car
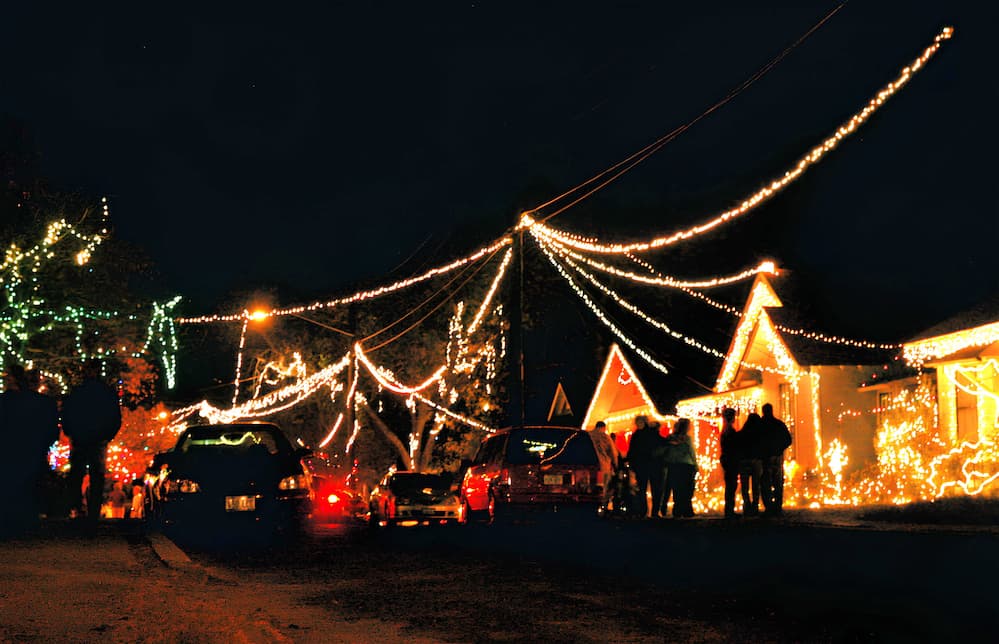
[538, 468]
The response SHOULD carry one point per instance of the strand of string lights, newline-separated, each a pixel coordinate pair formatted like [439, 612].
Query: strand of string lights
[811, 335]
[471, 422]
[644, 355]
[764, 193]
[332, 432]
[767, 267]
[662, 326]
[429, 299]
[360, 295]
[387, 379]
[643, 154]
[499, 275]
[270, 403]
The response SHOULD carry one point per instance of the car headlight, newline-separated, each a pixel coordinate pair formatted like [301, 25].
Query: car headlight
[294, 482]
[183, 486]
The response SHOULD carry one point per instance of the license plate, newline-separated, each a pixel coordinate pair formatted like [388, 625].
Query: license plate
[240, 503]
[554, 479]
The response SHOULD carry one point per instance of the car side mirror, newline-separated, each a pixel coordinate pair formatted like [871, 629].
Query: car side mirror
[465, 464]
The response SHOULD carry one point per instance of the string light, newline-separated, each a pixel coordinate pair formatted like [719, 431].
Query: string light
[810, 335]
[273, 402]
[745, 401]
[239, 359]
[765, 193]
[161, 330]
[600, 314]
[920, 352]
[471, 422]
[662, 326]
[26, 312]
[295, 369]
[767, 267]
[329, 437]
[360, 295]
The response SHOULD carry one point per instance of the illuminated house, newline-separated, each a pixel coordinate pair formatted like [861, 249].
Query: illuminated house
[620, 396]
[813, 385]
[964, 350]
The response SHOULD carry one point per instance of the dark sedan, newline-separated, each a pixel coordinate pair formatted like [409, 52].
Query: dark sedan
[239, 476]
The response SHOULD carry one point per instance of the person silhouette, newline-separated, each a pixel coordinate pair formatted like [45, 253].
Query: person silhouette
[91, 417]
[681, 464]
[775, 438]
[645, 442]
[730, 457]
[14, 470]
[751, 447]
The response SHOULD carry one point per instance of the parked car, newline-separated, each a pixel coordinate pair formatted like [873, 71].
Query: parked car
[534, 468]
[242, 476]
[336, 503]
[412, 498]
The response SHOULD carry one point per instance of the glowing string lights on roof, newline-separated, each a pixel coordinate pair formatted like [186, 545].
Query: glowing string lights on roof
[763, 194]
[921, 351]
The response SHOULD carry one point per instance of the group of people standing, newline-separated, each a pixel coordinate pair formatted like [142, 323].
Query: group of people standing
[666, 464]
[652, 467]
[30, 424]
[752, 459]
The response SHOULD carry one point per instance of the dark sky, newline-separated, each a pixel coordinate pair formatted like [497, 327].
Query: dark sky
[314, 149]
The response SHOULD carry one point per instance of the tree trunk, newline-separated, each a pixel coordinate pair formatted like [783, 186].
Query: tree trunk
[390, 436]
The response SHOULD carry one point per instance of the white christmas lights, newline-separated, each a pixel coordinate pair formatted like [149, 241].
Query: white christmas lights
[360, 295]
[922, 351]
[764, 193]
[600, 314]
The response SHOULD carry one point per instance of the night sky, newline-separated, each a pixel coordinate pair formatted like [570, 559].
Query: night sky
[313, 150]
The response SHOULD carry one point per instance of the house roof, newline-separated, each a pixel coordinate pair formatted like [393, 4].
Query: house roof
[985, 312]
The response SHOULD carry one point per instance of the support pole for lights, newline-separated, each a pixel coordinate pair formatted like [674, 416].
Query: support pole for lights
[518, 392]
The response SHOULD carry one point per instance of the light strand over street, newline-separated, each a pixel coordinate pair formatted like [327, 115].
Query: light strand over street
[763, 194]
[358, 296]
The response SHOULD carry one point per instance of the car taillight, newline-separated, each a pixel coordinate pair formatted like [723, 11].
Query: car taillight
[294, 482]
[332, 499]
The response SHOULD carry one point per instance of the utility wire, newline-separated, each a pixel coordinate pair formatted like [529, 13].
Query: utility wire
[429, 313]
[641, 155]
[428, 299]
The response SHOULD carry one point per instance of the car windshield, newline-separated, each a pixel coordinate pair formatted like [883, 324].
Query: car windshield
[235, 439]
[556, 446]
[408, 483]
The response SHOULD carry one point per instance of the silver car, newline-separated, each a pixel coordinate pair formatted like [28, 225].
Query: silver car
[413, 498]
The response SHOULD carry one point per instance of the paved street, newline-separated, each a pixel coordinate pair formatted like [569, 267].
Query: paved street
[833, 578]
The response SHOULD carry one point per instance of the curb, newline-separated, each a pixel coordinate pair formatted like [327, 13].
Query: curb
[168, 552]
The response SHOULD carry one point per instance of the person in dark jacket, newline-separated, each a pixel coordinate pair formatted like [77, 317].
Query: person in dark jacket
[90, 417]
[775, 439]
[731, 456]
[681, 464]
[645, 442]
[751, 443]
